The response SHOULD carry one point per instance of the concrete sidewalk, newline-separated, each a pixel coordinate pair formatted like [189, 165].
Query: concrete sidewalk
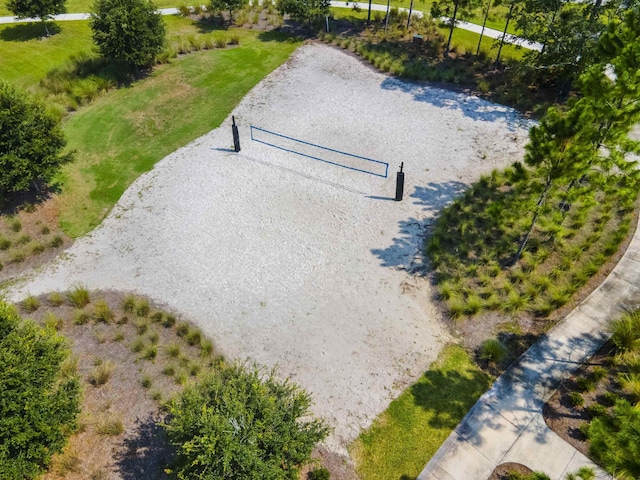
[506, 424]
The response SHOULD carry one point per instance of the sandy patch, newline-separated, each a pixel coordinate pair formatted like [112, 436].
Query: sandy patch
[296, 262]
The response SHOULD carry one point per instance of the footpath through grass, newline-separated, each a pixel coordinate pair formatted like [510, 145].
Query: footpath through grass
[404, 437]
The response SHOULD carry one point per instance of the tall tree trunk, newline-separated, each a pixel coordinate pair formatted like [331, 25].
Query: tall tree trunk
[369, 14]
[410, 12]
[534, 220]
[386, 20]
[453, 24]
[484, 22]
[504, 33]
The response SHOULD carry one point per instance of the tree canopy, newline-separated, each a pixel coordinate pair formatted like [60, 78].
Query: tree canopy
[42, 9]
[38, 403]
[128, 31]
[31, 141]
[228, 5]
[304, 10]
[239, 423]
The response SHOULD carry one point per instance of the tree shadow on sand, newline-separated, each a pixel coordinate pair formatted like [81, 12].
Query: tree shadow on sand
[470, 106]
[145, 453]
[406, 250]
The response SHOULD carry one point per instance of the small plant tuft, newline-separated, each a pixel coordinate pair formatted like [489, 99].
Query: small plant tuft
[101, 373]
[31, 304]
[79, 297]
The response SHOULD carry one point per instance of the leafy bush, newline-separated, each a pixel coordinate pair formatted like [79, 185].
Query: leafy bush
[128, 31]
[39, 404]
[31, 141]
[626, 332]
[576, 399]
[319, 474]
[241, 423]
[614, 440]
[493, 351]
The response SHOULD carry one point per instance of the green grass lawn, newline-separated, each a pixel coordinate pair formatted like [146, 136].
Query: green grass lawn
[406, 435]
[125, 133]
[25, 59]
[84, 6]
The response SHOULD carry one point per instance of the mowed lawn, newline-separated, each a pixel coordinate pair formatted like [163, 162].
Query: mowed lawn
[124, 133]
[405, 436]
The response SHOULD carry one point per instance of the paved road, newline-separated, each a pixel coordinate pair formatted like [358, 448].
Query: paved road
[174, 11]
[506, 424]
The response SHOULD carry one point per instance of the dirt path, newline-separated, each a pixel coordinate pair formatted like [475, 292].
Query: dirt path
[294, 262]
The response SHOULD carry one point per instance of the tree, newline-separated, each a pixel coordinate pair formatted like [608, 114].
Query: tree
[128, 31]
[39, 405]
[31, 141]
[45, 10]
[592, 134]
[569, 33]
[304, 10]
[615, 440]
[443, 8]
[229, 5]
[239, 423]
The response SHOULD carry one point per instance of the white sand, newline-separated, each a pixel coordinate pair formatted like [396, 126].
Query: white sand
[294, 262]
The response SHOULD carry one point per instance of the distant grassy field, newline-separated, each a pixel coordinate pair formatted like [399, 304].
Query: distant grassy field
[84, 6]
[25, 59]
[124, 133]
[406, 435]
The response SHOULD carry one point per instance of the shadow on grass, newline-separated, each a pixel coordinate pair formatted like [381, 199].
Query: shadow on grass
[145, 453]
[22, 32]
[448, 394]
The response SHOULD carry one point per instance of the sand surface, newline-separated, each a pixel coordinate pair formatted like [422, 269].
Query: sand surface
[294, 262]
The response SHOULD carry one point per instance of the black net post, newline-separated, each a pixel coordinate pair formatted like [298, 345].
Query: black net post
[236, 135]
[400, 184]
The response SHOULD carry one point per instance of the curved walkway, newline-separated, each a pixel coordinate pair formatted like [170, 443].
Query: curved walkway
[506, 424]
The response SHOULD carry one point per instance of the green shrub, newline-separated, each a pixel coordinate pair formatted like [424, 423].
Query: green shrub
[52, 322]
[614, 440]
[4, 243]
[146, 381]
[626, 332]
[142, 308]
[319, 474]
[174, 350]
[138, 345]
[182, 330]
[79, 297]
[493, 351]
[31, 304]
[169, 320]
[101, 373]
[102, 312]
[56, 299]
[585, 384]
[141, 327]
[110, 427]
[56, 241]
[150, 353]
[194, 337]
[597, 410]
[81, 317]
[129, 304]
[576, 399]
[277, 434]
[39, 404]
